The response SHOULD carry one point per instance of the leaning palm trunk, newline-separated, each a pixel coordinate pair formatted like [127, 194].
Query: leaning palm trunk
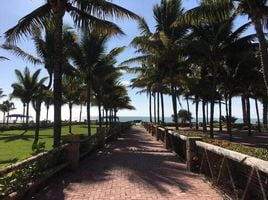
[263, 49]
[162, 108]
[58, 12]
[258, 115]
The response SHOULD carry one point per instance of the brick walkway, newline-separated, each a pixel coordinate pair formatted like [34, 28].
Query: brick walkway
[134, 167]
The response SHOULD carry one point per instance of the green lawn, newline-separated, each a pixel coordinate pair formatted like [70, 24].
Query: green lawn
[16, 145]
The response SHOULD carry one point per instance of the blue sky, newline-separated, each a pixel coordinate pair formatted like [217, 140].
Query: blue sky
[11, 11]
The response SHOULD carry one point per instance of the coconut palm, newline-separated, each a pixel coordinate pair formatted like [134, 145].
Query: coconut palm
[26, 87]
[215, 11]
[71, 92]
[6, 107]
[84, 14]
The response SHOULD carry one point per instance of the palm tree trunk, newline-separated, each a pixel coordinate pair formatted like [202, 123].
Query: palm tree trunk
[154, 108]
[226, 106]
[99, 108]
[7, 118]
[158, 108]
[220, 114]
[106, 118]
[212, 103]
[248, 116]
[37, 125]
[70, 119]
[258, 115]
[263, 49]
[27, 116]
[150, 106]
[23, 113]
[244, 109]
[174, 105]
[264, 113]
[47, 113]
[88, 109]
[196, 113]
[80, 114]
[58, 12]
[207, 112]
[162, 108]
[229, 119]
[204, 116]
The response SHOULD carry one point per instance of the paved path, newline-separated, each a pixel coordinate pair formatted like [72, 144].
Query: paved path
[134, 167]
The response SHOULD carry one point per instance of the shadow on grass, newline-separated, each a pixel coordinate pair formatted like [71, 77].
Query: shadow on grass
[22, 136]
[9, 161]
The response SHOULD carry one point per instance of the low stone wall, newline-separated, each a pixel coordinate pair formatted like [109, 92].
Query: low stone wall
[237, 175]
[21, 179]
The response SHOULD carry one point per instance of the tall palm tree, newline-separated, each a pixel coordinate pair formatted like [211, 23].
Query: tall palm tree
[71, 92]
[84, 14]
[86, 55]
[48, 100]
[213, 11]
[26, 87]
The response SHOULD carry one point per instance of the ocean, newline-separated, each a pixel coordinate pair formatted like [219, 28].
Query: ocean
[169, 119]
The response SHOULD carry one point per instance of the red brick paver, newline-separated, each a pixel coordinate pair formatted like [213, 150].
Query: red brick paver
[134, 167]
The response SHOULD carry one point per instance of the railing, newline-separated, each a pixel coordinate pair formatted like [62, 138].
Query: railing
[237, 175]
[17, 180]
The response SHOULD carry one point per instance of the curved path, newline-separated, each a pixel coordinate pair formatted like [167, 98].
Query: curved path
[134, 167]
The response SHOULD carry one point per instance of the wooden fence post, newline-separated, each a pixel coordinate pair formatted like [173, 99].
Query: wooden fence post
[166, 139]
[101, 136]
[191, 152]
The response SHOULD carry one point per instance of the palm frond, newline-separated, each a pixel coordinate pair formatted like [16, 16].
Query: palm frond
[25, 26]
[103, 9]
[20, 53]
[83, 19]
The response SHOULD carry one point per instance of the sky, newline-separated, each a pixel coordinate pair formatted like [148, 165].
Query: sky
[11, 11]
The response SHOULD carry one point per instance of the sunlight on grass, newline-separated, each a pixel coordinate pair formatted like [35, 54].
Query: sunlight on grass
[16, 145]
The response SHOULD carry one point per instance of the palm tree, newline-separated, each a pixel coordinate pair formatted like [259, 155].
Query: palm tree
[6, 107]
[89, 55]
[26, 87]
[71, 92]
[48, 100]
[213, 11]
[84, 14]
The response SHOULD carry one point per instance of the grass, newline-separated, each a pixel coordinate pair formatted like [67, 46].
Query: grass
[16, 145]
